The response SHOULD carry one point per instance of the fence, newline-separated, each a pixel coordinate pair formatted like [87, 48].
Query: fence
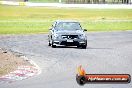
[79, 1]
[86, 1]
[99, 1]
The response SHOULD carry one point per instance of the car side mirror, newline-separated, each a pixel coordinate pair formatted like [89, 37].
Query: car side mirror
[85, 29]
[50, 29]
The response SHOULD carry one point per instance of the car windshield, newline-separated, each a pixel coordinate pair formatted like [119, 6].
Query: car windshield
[68, 26]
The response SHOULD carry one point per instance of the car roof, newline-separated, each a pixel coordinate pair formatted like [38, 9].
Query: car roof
[58, 21]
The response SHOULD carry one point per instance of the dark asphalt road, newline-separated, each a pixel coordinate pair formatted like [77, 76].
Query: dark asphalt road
[107, 52]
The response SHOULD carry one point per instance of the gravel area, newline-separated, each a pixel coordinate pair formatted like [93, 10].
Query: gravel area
[9, 61]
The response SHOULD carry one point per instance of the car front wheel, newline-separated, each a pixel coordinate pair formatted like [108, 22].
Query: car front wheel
[84, 46]
[53, 46]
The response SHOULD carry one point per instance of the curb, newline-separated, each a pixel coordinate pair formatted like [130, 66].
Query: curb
[22, 72]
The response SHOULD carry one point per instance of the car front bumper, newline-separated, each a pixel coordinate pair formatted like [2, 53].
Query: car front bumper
[70, 42]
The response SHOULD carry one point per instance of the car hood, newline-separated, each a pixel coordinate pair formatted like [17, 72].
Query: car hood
[70, 32]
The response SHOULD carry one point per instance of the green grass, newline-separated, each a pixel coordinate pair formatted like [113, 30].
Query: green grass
[47, 1]
[22, 19]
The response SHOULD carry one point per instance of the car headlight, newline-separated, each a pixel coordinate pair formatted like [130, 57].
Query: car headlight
[82, 36]
[55, 36]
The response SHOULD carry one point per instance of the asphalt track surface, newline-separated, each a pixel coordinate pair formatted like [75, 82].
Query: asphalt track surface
[107, 52]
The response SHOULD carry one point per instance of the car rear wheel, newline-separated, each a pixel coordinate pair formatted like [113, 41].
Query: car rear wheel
[49, 44]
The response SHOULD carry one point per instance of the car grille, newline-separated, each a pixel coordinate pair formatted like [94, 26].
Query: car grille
[75, 43]
[69, 36]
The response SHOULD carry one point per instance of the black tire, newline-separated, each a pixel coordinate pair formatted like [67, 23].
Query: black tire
[49, 44]
[53, 46]
[78, 46]
[84, 46]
